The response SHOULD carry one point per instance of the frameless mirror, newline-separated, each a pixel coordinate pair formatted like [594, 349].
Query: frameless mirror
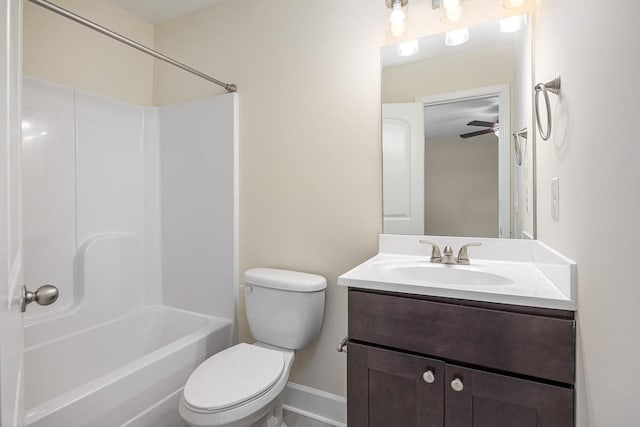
[458, 149]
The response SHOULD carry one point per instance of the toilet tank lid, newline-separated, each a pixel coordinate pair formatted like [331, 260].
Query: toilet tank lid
[285, 280]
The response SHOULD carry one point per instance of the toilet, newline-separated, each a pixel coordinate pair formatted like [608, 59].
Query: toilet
[241, 386]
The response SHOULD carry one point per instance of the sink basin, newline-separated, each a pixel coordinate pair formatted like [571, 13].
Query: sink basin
[440, 274]
[503, 271]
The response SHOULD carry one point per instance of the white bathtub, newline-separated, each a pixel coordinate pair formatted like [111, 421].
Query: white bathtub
[128, 371]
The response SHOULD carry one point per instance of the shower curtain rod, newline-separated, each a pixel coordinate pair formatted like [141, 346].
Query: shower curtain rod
[230, 87]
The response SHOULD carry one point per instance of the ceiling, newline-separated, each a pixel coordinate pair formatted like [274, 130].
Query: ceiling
[158, 11]
[450, 119]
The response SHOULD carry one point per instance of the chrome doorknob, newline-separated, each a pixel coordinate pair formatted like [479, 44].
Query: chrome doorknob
[457, 385]
[44, 295]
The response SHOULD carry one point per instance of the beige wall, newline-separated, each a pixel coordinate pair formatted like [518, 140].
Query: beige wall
[61, 51]
[310, 176]
[451, 73]
[594, 150]
[461, 186]
[310, 179]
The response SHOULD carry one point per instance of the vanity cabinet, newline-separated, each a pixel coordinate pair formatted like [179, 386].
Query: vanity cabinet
[433, 362]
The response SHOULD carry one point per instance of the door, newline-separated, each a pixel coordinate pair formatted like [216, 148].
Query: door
[390, 389]
[11, 332]
[403, 168]
[482, 399]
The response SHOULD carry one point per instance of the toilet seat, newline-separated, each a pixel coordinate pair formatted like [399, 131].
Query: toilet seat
[232, 378]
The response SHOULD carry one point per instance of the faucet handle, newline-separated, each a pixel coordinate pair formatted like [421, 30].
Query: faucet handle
[463, 255]
[435, 251]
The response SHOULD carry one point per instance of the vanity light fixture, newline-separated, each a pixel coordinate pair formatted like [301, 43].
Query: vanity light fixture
[456, 37]
[408, 48]
[397, 17]
[513, 23]
[452, 11]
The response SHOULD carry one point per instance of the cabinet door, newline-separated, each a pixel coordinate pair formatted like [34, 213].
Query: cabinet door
[481, 399]
[391, 389]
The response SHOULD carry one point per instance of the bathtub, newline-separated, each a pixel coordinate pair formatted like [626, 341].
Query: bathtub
[125, 372]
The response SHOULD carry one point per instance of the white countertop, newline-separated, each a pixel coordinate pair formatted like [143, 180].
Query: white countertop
[535, 275]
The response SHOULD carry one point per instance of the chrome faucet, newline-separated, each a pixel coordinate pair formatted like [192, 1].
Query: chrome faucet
[435, 251]
[448, 258]
[463, 255]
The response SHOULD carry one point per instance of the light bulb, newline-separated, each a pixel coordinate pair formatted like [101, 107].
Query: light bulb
[514, 3]
[397, 29]
[408, 48]
[453, 14]
[513, 23]
[450, 4]
[456, 37]
[397, 14]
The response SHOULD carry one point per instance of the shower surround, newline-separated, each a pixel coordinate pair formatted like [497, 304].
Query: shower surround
[132, 213]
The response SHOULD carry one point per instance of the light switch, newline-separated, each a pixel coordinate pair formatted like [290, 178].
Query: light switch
[555, 198]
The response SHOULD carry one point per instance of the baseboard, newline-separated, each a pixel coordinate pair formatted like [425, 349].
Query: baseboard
[315, 404]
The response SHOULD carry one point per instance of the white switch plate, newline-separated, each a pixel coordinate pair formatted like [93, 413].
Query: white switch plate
[555, 198]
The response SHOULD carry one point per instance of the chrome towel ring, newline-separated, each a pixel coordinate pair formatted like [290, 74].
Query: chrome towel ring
[552, 86]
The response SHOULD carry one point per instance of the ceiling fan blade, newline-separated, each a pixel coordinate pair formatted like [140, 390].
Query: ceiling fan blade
[481, 123]
[476, 133]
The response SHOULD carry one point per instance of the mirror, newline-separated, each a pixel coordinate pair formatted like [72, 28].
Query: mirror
[457, 138]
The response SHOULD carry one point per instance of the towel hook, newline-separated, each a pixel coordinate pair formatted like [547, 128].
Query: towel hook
[552, 86]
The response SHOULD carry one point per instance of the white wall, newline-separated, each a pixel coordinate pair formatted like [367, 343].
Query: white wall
[594, 151]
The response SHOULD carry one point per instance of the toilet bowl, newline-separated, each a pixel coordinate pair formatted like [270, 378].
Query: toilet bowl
[237, 387]
[242, 385]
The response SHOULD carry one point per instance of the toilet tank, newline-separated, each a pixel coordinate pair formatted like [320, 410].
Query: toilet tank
[284, 308]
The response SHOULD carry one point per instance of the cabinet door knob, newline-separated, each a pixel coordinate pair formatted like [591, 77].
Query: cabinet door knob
[428, 377]
[457, 385]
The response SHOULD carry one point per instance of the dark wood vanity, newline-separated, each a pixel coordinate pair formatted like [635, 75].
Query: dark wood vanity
[420, 361]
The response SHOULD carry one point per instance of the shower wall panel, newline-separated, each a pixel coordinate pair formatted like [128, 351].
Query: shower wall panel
[48, 200]
[128, 206]
[198, 144]
[88, 190]
[110, 181]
